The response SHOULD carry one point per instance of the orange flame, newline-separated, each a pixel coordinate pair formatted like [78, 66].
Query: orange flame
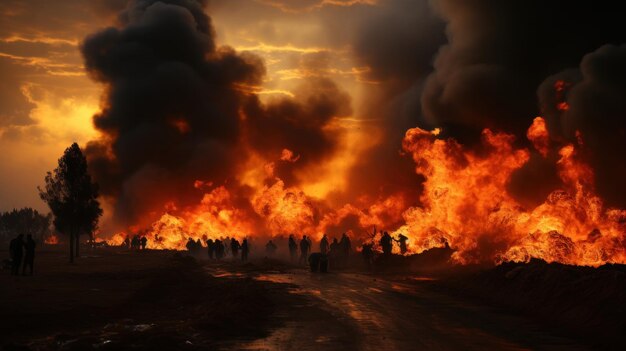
[538, 135]
[466, 205]
[52, 239]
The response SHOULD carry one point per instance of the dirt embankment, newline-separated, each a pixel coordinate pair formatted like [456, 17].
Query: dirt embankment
[583, 301]
[114, 300]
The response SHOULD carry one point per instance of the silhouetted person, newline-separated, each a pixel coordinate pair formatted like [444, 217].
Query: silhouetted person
[219, 249]
[385, 243]
[29, 257]
[234, 247]
[270, 248]
[314, 261]
[16, 249]
[402, 240]
[368, 255]
[144, 242]
[244, 250]
[346, 246]
[293, 248]
[127, 242]
[305, 246]
[226, 243]
[210, 248]
[334, 253]
[134, 244]
[191, 245]
[334, 247]
[324, 246]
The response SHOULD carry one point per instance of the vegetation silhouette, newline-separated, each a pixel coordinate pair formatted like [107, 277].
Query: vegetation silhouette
[72, 197]
[24, 220]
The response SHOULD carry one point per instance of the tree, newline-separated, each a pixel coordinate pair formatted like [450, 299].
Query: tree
[72, 197]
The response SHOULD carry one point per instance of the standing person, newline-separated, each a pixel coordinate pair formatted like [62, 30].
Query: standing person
[226, 244]
[144, 242]
[270, 248]
[29, 258]
[293, 248]
[219, 249]
[234, 247]
[346, 246]
[210, 248]
[244, 250]
[126, 242]
[385, 243]
[135, 242]
[16, 249]
[305, 246]
[324, 246]
[190, 245]
[402, 240]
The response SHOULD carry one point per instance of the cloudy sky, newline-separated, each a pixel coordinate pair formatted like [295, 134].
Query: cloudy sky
[47, 100]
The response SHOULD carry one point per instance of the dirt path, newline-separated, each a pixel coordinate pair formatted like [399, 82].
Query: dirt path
[359, 312]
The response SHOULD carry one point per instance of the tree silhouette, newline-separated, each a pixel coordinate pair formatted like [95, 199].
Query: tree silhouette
[25, 221]
[72, 197]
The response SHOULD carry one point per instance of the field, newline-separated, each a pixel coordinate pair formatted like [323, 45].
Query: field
[114, 299]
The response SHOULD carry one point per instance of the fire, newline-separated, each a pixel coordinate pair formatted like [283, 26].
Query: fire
[538, 135]
[464, 204]
[560, 88]
[52, 239]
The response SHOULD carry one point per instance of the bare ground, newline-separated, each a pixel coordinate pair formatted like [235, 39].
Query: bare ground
[159, 300]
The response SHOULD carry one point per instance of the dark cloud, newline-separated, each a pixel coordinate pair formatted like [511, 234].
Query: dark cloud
[176, 110]
[597, 108]
[397, 41]
[172, 105]
[301, 125]
[500, 51]
[480, 66]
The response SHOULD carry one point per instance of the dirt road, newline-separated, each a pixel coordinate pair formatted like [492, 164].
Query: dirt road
[344, 311]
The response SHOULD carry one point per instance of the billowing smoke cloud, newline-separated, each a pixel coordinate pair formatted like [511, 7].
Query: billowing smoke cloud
[177, 110]
[300, 125]
[478, 64]
[172, 109]
[397, 42]
[498, 54]
[594, 106]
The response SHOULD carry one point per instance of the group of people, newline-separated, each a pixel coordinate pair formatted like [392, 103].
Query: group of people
[136, 243]
[217, 248]
[22, 254]
[336, 252]
[386, 243]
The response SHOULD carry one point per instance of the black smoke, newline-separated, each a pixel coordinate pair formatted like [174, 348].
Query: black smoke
[597, 109]
[178, 108]
[486, 72]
